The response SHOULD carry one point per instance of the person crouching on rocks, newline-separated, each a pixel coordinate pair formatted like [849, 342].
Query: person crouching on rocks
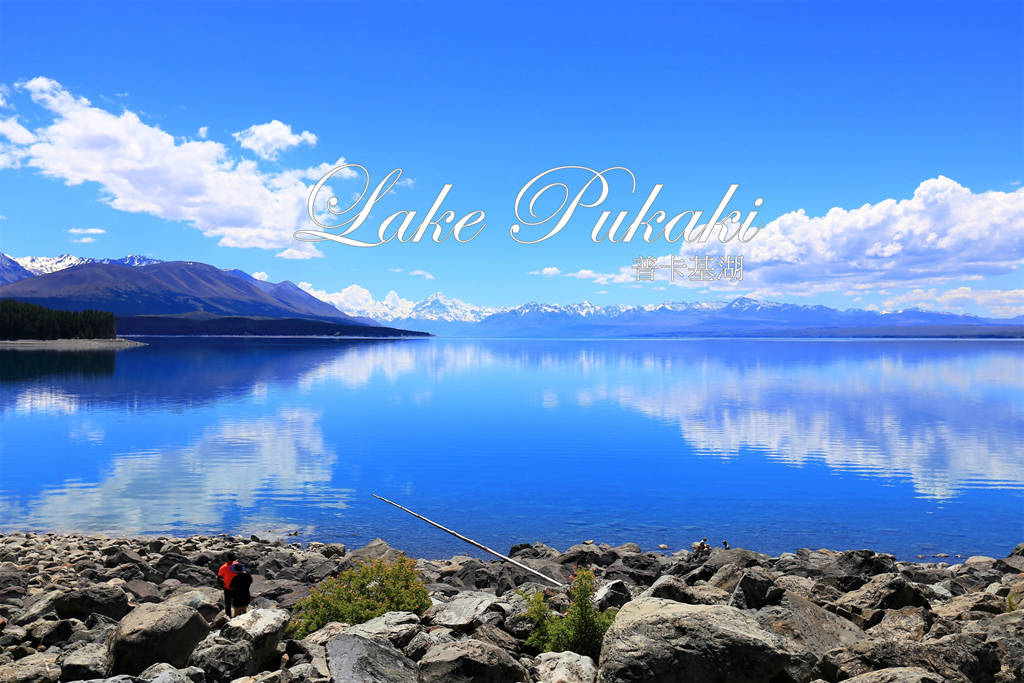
[240, 588]
[225, 579]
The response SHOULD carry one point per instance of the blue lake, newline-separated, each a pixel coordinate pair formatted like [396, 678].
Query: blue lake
[911, 447]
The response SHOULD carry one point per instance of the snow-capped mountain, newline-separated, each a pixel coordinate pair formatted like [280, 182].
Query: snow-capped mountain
[41, 265]
[439, 307]
[741, 316]
[11, 270]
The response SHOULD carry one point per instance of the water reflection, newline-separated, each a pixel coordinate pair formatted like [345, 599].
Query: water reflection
[242, 474]
[214, 435]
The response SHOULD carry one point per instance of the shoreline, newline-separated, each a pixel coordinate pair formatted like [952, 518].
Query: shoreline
[116, 344]
[89, 607]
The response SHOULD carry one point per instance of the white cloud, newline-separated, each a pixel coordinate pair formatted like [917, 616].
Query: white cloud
[15, 132]
[84, 240]
[356, 300]
[260, 275]
[394, 270]
[422, 273]
[204, 131]
[143, 169]
[549, 271]
[268, 140]
[1001, 302]
[943, 232]
[87, 231]
[300, 253]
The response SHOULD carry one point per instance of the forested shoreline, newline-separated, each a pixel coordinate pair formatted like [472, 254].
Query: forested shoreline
[20, 320]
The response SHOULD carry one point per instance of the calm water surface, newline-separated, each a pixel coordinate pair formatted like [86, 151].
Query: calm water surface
[913, 447]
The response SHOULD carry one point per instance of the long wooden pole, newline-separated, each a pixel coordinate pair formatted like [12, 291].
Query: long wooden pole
[470, 541]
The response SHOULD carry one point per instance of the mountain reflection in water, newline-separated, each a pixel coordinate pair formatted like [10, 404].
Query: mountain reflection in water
[906, 445]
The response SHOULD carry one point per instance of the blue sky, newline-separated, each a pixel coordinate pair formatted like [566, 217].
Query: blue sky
[148, 121]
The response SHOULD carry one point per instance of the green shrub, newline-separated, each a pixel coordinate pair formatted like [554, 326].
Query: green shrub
[582, 628]
[360, 594]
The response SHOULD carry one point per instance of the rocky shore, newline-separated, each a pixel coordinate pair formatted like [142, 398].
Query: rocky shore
[89, 608]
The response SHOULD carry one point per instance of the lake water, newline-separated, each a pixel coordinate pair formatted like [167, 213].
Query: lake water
[911, 447]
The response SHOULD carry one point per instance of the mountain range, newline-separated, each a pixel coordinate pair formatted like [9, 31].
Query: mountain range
[140, 286]
[136, 286]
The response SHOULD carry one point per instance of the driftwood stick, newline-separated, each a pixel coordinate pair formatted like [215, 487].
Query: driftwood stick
[470, 541]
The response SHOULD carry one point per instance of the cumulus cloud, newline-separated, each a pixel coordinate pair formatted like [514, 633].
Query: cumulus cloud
[549, 271]
[358, 301]
[87, 231]
[15, 132]
[143, 169]
[943, 232]
[268, 140]
[204, 131]
[422, 273]
[260, 275]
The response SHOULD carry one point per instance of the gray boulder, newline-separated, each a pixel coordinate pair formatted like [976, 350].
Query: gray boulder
[207, 601]
[463, 611]
[755, 589]
[424, 640]
[864, 606]
[672, 587]
[357, 659]
[102, 598]
[612, 594]
[659, 641]
[154, 632]
[807, 626]
[92, 660]
[902, 674]
[37, 668]
[165, 673]
[223, 660]
[470, 661]
[264, 628]
[564, 667]
[398, 628]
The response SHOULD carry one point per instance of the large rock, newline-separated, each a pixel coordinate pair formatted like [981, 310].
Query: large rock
[424, 640]
[906, 623]
[755, 589]
[37, 668]
[153, 633]
[864, 606]
[564, 667]
[660, 641]
[264, 628]
[357, 659]
[956, 658]
[810, 627]
[102, 598]
[207, 601]
[223, 660]
[970, 606]
[463, 611]
[398, 628]
[165, 673]
[470, 661]
[612, 594]
[673, 588]
[92, 660]
[902, 674]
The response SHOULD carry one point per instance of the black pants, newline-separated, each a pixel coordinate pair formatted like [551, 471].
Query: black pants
[228, 601]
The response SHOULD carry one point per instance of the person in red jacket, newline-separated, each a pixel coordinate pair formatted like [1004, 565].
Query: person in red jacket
[225, 575]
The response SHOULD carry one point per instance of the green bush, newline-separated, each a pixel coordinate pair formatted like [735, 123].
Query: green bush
[580, 630]
[360, 594]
